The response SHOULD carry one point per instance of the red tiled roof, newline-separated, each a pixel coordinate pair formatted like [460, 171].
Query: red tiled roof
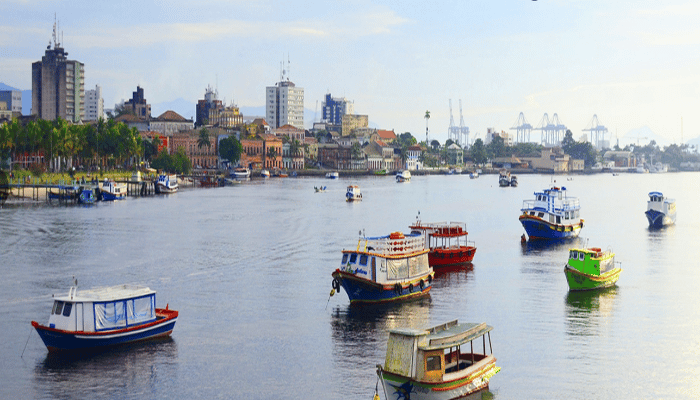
[171, 115]
[386, 134]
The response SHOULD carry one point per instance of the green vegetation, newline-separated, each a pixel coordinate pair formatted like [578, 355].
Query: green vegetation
[230, 149]
[177, 163]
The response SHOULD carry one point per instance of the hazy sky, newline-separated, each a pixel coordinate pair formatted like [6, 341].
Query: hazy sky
[633, 63]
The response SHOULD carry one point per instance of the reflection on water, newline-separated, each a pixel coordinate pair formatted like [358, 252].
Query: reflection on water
[587, 310]
[536, 247]
[140, 369]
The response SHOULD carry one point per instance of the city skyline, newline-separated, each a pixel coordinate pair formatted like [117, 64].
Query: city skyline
[633, 65]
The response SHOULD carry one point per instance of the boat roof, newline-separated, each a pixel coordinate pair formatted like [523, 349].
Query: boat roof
[446, 335]
[655, 194]
[107, 293]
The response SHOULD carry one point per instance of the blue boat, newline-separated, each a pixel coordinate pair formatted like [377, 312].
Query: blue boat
[552, 215]
[661, 211]
[110, 190]
[384, 269]
[98, 318]
[87, 196]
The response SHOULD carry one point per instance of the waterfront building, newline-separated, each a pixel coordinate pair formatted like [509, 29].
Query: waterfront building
[290, 159]
[204, 156]
[284, 104]
[351, 122]
[58, 85]
[290, 131]
[138, 105]
[163, 141]
[262, 151]
[413, 154]
[94, 104]
[13, 100]
[334, 156]
[455, 154]
[170, 123]
[334, 108]
[133, 121]
[383, 136]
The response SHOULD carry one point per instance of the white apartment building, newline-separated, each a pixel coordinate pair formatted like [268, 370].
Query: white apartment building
[284, 105]
[94, 104]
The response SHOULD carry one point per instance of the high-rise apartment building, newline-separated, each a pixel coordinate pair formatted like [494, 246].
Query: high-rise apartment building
[284, 105]
[94, 104]
[138, 105]
[58, 85]
[335, 107]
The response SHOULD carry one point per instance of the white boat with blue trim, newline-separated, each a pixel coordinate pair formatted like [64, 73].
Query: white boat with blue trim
[661, 211]
[167, 184]
[385, 268]
[94, 319]
[552, 215]
[403, 176]
[111, 190]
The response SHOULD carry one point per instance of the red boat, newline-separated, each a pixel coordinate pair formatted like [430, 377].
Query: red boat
[447, 242]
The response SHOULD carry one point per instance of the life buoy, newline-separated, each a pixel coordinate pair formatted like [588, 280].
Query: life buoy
[410, 288]
[422, 285]
[336, 284]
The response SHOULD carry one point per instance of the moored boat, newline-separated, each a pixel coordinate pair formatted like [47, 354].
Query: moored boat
[211, 181]
[591, 268]
[447, 242]
[319, 189]
[503, 178]
[475, 174]
[265, 173]
[353, 193]
[97, 318]
[513, 181]
[166, 184]
[385, 268]
[447, 361]
[111, 190]
[241, 173]
[552, 215]
[332, 175]
[403, 176]
[661, 211]
[87, 196]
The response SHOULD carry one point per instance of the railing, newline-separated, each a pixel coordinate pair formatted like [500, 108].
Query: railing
[388, 246]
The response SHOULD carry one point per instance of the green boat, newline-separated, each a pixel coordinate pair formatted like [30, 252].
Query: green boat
[591, 268]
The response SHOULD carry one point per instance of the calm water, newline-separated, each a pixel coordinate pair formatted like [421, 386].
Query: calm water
[248, 267]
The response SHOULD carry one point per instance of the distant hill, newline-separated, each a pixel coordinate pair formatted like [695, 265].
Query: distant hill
[26, 98]
[643, 136]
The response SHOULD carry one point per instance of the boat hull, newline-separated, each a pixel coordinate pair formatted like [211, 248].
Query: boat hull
[440, 257]
[362, 290]
[165, 189]
[399, 387]
[58, 340]
[537, 228]
[657, 219]
[109, 196]
[577, 280]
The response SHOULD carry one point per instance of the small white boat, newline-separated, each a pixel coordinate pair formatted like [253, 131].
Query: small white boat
[167, 184]
[661, 211]
[94, 319]
[265, 173]
[332, 175]
[241, 173]
[110, 190]
[458, 171]
[448, 361]
[320, 189]
[475, 174]
[353, 193]
[403, 176]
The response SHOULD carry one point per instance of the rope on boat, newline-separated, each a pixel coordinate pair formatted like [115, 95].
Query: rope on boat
[329, 297]
[25, 344]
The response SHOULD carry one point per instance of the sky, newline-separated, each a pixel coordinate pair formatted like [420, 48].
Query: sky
[634, 64]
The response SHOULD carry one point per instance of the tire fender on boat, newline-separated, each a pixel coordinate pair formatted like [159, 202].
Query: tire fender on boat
[397, 288]
[422, 284]
[410, 288]
[336, 284]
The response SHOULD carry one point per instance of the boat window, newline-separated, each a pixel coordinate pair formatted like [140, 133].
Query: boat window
[363, 259]
[540, 214]
[67, 309]
[558, 219]
[57, 307]
[345, 258]
[581, 256]
[433, 363]
[353, 258]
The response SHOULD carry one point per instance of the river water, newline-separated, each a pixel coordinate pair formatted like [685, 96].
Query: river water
[249, 269]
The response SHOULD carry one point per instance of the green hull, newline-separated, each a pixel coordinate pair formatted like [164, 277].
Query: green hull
[580, 281]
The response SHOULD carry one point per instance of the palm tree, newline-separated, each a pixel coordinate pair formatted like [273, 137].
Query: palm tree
[203, 138]
[427, 117]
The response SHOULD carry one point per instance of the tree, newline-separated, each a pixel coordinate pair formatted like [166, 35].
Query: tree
[478, 152]
[230, 149]
[203, 138]
[356, 151]
[497, 147]
[427, 117]
[568, 141]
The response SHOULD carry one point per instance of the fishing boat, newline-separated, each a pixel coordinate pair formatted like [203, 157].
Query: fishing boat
[384, 269]
[166, 184]
[210, 181]
[97, 318]
[447, 242]
[319, 189]
[552, 215]
[111, 190]
[661, 211]
[403, 176]
[591, 268]
[513, 181]
[447, 361]
[353, 193]
[475, 174]
[241, 173]
[503, 178]
[87, 196]
[265, 173]
[332, 175]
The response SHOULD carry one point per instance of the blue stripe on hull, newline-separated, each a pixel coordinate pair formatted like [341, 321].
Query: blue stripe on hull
[361, 292]
[61, 340]
[657, 219]
[538, 229]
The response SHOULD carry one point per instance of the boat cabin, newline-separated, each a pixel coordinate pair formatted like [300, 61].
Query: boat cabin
[439, 354]
[387, 259]
[353, 193]
[658, 202]
[554, 206]
[103, 309]
[591, 261]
